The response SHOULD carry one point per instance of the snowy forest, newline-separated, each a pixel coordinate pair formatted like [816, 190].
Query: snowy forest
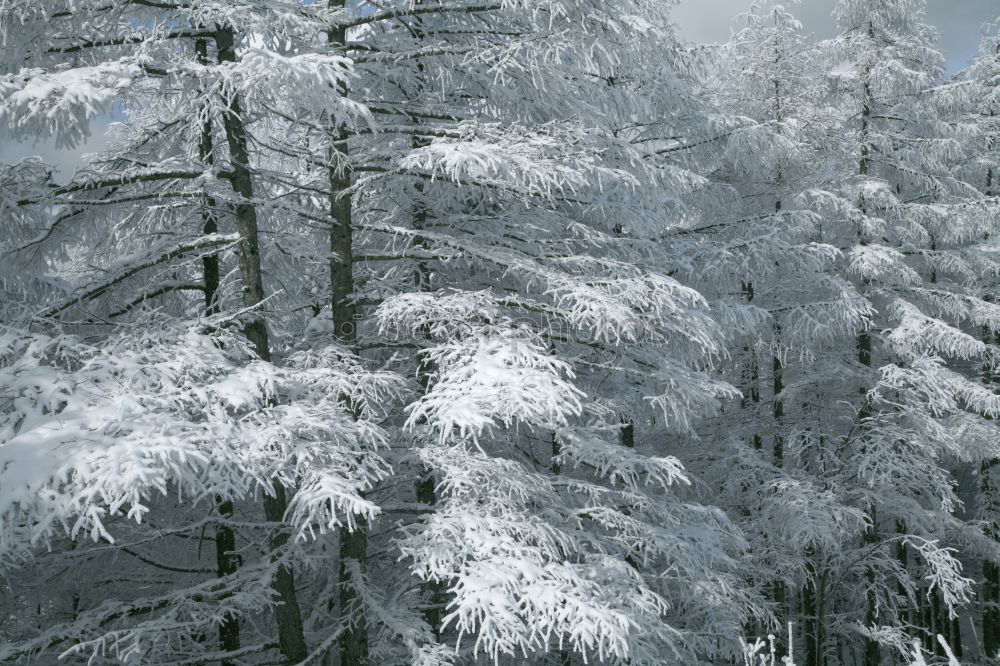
[497, 332]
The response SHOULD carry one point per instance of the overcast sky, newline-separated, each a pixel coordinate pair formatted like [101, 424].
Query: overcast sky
[704, 21]
[959, 21]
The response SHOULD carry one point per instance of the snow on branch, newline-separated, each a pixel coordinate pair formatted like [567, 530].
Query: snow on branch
[61, 102]
[495, 377]
[441, 316]
[917, 334]
[315, 81]
[90, 433]
[881, 264]
[944, 573]
[519, 581]
[534, 163]
[617, 464]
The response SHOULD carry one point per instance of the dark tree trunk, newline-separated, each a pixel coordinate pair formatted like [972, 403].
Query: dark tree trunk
[991, 604]
[779, 590]
[561, 657]
[778, 411]
[991, 572]
[426, 486]
[872, 648]
[206, 151]
[810, 614]
[246, 213]
[928, 625]
[754, 376]
[628, 433]
[291, 638]
[226, 563]
[353, 543]
[956, 637]
[354, 649]
[937, 626]
[226, 559]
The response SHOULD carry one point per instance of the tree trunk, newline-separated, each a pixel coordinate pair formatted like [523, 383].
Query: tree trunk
[561, 657]
[872, 648]
[291, 638]
[991, 572]
[246, 214]
[754, 376]
[956, 637]
[810, 613]
[353, 543]
[210, 262]
[779, 590]
[990, 490]
[226, 559]
[872, 656]
[426, 486]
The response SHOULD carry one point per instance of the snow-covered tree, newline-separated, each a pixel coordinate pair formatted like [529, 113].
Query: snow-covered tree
[981, 169]
[435, 332]
[504, 255]
[911, 232]
[768, 250]
[893, 230]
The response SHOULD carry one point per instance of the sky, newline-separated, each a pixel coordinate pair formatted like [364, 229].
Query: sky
[701, 21]
[959, 22]
[64, 159]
